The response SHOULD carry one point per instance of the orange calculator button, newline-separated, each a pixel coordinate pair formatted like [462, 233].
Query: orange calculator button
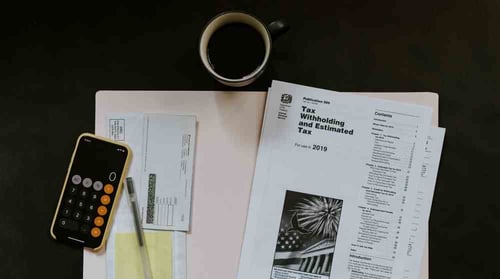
[105, 199]
[102, 210]
[95, 232]
[108, 189]
[99, 221]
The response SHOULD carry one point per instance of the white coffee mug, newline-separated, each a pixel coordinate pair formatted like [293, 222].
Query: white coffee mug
[268, 33]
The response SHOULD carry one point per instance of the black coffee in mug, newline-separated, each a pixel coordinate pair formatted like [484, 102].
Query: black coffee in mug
[235, 47]
[236, 50]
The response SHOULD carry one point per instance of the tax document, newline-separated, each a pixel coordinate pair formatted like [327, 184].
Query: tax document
[335, 186]
[425, 192]
[162, 147]
[162, 164]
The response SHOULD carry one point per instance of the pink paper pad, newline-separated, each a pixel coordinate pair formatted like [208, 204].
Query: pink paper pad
[228, 134]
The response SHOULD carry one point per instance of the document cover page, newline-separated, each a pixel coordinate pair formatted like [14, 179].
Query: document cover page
[334, 187]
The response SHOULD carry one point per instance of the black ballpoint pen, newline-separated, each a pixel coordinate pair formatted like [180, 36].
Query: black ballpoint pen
[146, 267]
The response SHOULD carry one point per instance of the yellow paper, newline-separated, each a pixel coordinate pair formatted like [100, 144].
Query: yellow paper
[128, 264]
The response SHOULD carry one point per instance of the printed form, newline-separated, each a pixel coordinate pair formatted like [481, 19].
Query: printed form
[335, 186]
[162, 162]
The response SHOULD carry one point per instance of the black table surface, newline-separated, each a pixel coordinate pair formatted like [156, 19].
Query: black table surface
[53, 58]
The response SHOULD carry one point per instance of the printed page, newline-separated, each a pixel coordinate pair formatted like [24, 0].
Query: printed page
[335, 196]
[163, 158]
[425, 192]
[131, 128]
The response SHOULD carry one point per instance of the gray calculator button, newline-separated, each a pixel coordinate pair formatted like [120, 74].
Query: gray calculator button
[77, 215]
[70, 201]
[68, 224]
[80, 204]
[66, 212]
[64, 223]
[76, 179]
[87, 218]
[85, 229]
[91, 207]
[73, 189]
[98, 185]
[84, 193]
[87, 182]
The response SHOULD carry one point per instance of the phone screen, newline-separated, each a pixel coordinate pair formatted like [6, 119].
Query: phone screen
[99, 159]
[90, 192]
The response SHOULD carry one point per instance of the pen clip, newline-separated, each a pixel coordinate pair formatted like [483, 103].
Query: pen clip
[129, 182]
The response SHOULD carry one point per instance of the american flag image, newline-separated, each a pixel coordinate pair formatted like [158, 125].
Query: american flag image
[288, 241]
[307, 235]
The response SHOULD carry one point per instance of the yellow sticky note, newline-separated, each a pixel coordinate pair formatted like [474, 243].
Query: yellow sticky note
[128, 264]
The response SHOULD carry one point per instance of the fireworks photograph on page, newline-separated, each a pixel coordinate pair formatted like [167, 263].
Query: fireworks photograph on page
[307, 235]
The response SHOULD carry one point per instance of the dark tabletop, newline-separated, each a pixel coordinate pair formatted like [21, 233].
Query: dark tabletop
[54, 58]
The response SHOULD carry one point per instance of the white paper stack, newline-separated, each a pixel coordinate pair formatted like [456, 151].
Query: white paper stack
[342, 187]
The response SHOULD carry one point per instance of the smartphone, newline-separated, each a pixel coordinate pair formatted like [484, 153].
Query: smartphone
[90, 191]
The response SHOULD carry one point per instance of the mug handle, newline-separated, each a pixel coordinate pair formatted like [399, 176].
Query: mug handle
[277, 28]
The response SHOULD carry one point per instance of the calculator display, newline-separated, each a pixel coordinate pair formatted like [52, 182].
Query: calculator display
[92, 184]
